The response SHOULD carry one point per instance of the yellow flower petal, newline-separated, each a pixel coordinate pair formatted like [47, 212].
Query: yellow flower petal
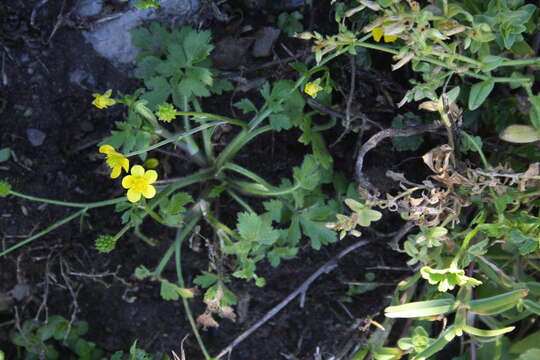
[390, 38]
[137, 170]
[127, 181]
[125, 164]
[149, 192]
[116, 172]
[133, 195]
[150, 176]
[377, 33]
[106, 149]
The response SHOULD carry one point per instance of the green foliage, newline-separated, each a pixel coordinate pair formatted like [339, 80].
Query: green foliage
[172, 209]
[406, 143]
[174, 64]
[5, 154]
[360, 288]
[46, 340]
[447, 279]
[170, 291]
[105, 243]
[290, 22]
[5, 188]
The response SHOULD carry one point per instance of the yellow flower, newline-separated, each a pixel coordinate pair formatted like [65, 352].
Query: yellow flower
[115, 160]
[378, 33]
[103, 101]
[138, 183]
[312, 88]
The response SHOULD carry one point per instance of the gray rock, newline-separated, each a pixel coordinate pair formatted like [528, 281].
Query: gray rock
[20, 292]
[89, 7]
[35, 136]
[113, 39]
[265, 39]
[82, 78]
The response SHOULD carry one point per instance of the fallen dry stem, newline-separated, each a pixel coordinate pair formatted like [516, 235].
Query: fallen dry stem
[301, 290]
[377, 138]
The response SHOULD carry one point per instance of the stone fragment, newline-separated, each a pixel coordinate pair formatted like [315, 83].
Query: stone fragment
[89, 7]
[264, 41]
[112, 39]
[35, 136]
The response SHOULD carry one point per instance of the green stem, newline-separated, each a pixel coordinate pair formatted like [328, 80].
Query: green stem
[187, 126]
[259, 118]
[206, 135]
[462, 58]
[180, 235]
[464, 245]
[521, 62]
[165, 259]
[477, 148]
[330, 124]
[213, 116]
[251, 188]
[247, 173]
[174, 138]
[44, 232]
[153, 215]
[68, 203]
[240, 201]
[440, 63]
[122, 231]
[237, 143]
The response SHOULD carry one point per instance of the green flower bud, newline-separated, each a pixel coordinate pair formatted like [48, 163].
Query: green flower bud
[105, 243]
[5, 188]
[166, 112]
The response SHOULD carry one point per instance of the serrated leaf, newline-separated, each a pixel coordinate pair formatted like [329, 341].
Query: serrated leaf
[320, 151]
[197, 44]
[191, 87]
[204, 75]
[255, 228]
[308, 175]
[245, 105]
[141, 272]
[205, 280]
[159, 93]
[314, 227]
[479, 93]
[222, 86]
[275, 208]
[280, 122]
[177, 202]
[170, 291]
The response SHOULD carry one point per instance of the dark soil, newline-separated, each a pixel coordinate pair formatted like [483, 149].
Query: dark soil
[62, 273]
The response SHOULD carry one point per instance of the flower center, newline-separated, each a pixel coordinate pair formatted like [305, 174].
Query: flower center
[139, 183]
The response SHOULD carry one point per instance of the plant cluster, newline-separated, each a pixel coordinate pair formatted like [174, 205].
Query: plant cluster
[476, 241]
[58, 338]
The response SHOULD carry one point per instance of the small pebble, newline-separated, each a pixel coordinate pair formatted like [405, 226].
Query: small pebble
[35, 136]
[265, 39]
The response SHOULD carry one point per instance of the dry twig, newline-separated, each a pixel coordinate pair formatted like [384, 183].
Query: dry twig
[377, 138]
[301, 290]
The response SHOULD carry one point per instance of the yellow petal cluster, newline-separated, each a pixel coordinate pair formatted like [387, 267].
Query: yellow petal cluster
[139, 183]
[313, 88]
[103, 101]
[115, 160]
[378, 33]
